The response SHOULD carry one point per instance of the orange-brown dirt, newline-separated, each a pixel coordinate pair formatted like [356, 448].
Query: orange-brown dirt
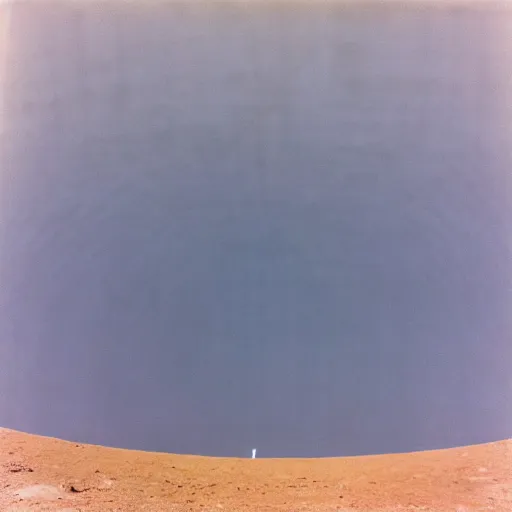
[46, 474]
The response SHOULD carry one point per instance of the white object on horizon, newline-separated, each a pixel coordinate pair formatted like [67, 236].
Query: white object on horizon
[254, 453]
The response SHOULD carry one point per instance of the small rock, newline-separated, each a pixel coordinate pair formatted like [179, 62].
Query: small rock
[77, 488]
[45, 492]
[16, 467]
[107, 484]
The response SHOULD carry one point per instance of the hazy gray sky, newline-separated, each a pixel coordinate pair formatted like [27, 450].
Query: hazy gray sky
[276, 227]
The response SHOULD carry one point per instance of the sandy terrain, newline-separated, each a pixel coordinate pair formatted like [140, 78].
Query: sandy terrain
[45, 474]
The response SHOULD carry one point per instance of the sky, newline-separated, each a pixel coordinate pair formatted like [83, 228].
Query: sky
[276, 228]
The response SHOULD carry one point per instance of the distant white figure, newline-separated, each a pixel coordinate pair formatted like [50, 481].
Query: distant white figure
[254, 453]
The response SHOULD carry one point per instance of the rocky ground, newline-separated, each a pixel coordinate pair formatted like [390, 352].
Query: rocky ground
[45, 474]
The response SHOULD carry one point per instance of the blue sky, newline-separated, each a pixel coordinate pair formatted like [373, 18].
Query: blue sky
[278, 228]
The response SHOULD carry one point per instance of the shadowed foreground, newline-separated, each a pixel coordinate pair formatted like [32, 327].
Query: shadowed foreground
[45, 474]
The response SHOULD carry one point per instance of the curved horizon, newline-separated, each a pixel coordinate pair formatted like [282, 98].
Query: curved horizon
[47, 474]
[74, 441]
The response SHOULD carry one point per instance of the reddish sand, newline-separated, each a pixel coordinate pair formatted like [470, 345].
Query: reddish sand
[45, 474]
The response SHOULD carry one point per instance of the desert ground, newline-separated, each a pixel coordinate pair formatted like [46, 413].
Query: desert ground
[46, 474]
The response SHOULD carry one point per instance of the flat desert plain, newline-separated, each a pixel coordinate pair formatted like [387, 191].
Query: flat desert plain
[46, 474]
